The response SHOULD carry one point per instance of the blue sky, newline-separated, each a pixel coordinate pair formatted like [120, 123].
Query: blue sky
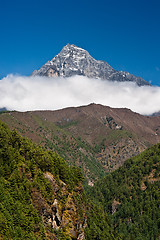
[126, 34]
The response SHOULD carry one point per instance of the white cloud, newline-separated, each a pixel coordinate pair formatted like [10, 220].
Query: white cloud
[40, 93]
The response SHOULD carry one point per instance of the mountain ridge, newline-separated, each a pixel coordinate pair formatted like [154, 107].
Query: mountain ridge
[96, 138]
[73, 60]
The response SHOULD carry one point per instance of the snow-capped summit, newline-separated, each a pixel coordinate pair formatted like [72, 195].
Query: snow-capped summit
[73, 60]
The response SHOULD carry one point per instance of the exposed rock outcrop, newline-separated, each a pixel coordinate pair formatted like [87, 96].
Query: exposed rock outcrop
[73, 60]
[64, 211]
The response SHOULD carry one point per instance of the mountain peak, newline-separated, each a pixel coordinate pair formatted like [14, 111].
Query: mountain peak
[72, 49]
[73, 60]
[72, 46]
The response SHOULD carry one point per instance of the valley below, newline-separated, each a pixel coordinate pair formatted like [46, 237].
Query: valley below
[96, 138]
[89, 172]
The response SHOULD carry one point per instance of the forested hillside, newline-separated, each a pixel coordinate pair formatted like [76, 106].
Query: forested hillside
[41, 197]
[96, 138]
[131, 196]
[38, 192]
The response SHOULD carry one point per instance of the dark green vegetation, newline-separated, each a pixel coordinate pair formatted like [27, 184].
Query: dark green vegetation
[35, 185]
[56, 137]
[98, 224]
[42, 197]
[22, 165]
[131, 196]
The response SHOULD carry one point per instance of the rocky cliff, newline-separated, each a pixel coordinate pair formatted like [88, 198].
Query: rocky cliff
[73, 60]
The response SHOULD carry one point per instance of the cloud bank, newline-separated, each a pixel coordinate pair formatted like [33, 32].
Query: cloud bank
[40, 93]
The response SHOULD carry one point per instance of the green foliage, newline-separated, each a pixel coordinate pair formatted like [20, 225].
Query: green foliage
[125, 204]
[76, 150]
[131, 196]
[98, 224]
[68, 124]
[22, 167]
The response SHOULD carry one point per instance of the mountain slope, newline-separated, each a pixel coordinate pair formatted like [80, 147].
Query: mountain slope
[42, 198]
[131, 195]
[96, 138]
[73, 60]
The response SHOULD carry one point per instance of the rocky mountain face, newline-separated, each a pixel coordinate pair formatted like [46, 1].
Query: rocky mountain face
[96, 138]
[73, 60]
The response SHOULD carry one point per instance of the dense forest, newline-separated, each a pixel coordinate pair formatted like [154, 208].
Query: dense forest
[22, 168]
[41, 197]
[131, 196]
